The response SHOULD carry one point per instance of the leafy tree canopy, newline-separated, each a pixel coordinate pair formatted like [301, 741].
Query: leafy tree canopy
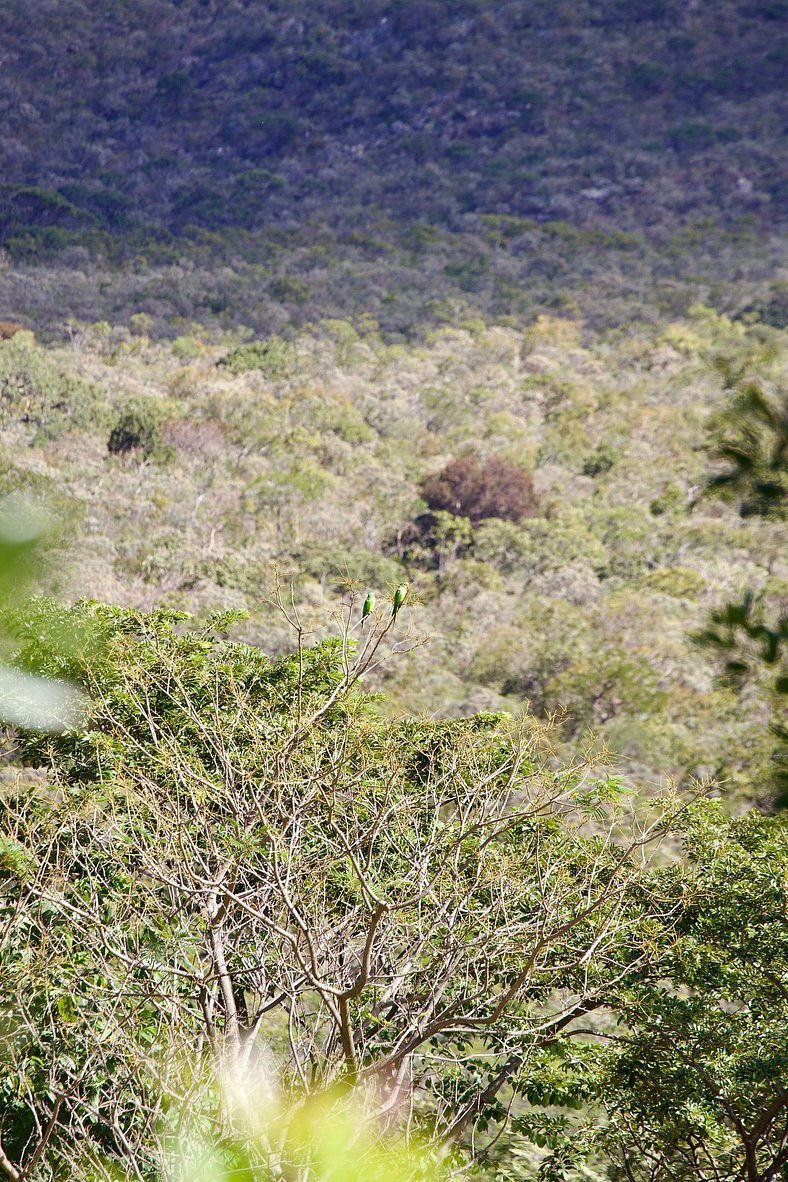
[237, 869]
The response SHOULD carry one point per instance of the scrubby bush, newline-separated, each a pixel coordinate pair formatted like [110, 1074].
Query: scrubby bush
[41, 393]
[504, 544]
[676, 581]
[139, 428]
[274, 358]
[600, 461]
[631, 542]
[566, 536]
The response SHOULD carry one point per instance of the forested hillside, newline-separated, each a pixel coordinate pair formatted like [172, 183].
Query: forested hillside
[274, 164]
[393, 585]
[192, 472]
[642, 111]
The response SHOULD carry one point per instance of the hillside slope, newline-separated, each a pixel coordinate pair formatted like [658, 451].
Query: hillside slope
[195, 471]
[643, 112]
[389, 157]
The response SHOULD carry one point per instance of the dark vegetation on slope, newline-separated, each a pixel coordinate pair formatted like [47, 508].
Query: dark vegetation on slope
[391, 156]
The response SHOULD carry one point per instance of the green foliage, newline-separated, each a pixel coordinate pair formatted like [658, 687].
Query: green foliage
[41, 399]
[693, 1081]
[113, 207]
[289, 289]
[630, 541]
[753, 633]
[224, 839]
[318, 471]
[601, 461]
[274, 357]
[47, 703]
[753, 440]
[676, 581]
[204, 141]
[670, 501]
[595, 689]
[174, 85]
[327, 1140]
[507, 545]
[774, 308]
[21, 532]
[138, 430]
[361, 567]
[750, 641]
[236, 867]
[15, 860]
[745, 621]
[29, 207]
[692, 136]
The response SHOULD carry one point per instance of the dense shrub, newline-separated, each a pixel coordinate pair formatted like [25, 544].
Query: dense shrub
[274, 357]
[478, 489]
[139, 428]
[677, 581]
[600, 461]
[42, 396]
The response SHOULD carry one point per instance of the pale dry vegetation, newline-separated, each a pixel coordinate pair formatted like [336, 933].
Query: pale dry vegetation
[193, 477]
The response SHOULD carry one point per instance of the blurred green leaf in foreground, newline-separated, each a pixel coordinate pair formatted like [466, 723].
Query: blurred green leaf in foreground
[27, 700]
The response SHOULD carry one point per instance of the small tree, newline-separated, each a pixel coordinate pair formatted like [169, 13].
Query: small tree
[478, 489]
[240, 867]
[138, 430]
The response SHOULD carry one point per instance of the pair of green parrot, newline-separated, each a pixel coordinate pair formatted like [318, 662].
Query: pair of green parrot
[396, 603]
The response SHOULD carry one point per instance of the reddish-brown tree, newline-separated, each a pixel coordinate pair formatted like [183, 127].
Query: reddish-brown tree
[471, 487]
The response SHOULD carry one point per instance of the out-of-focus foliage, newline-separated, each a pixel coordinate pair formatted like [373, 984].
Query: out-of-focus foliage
[750, 637]
[754, 444]
[744, 622]
[46, 703]
[330, 1139]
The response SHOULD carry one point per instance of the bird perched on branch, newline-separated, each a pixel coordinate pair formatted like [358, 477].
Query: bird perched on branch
[399, 599]
[368, 608]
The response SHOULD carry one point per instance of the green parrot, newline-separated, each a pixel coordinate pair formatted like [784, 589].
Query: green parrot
[399, 599]
[369, 606]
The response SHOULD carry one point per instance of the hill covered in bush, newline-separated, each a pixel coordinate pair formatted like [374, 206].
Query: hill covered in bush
[620, 157]
[195, 472]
